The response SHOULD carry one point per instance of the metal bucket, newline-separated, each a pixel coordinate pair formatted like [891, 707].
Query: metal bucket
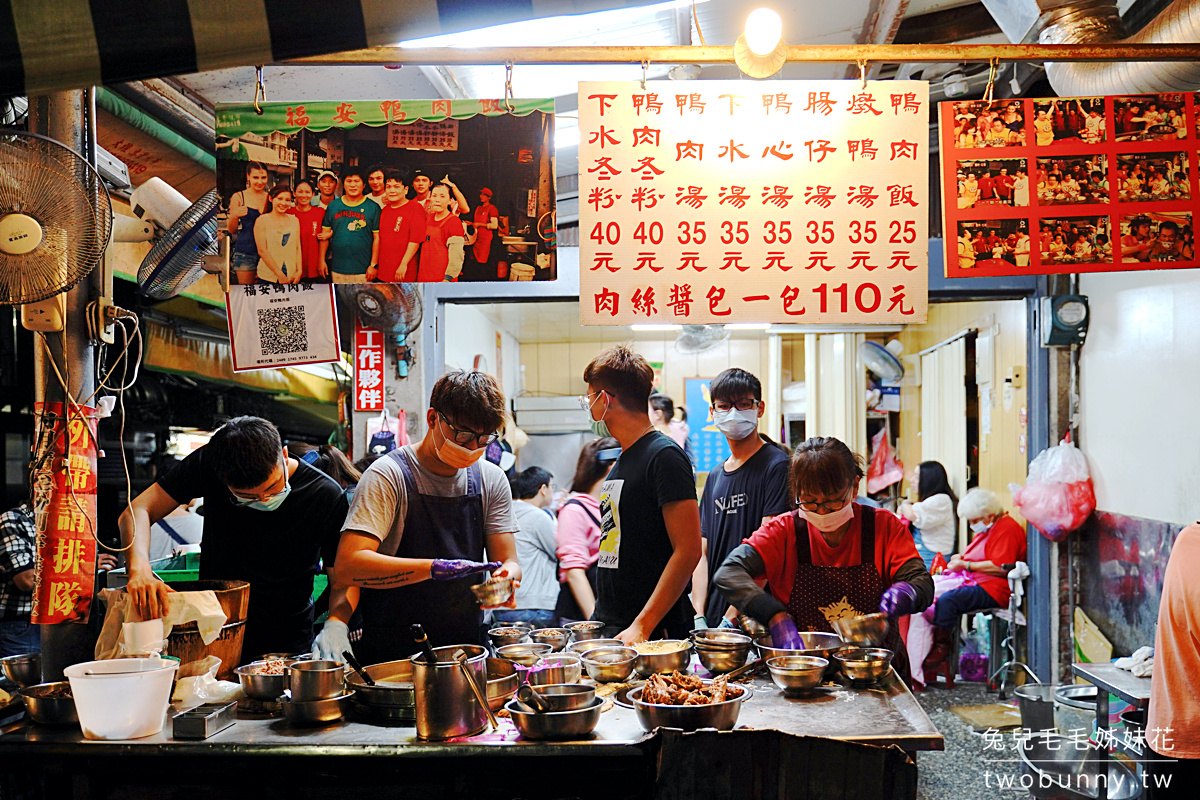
[1055, 769]
[1075, 709]
[446, 705]
[1036, 701]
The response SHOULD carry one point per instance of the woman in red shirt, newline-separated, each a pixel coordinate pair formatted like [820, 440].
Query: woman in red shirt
[310, 217]
[830, 559]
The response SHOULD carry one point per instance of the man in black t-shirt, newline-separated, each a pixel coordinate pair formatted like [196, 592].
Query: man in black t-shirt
[650, 524]
[743, 492]
[268, 519]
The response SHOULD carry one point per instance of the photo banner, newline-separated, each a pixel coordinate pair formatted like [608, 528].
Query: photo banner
[282, 326]
[1069, 184]
[730, 201]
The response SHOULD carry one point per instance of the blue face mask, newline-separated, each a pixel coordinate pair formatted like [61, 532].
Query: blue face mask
[271, 503]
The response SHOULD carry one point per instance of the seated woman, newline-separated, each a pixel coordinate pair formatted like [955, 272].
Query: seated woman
[830, 559]
[935, 527]
[973, 581]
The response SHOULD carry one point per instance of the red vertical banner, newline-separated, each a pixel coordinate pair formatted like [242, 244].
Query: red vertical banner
[66, 523]
[368, 368]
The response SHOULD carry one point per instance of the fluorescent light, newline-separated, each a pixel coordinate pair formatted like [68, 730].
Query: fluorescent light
[748, 326]
[655, 328]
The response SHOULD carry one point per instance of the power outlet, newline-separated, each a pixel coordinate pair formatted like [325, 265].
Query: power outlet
[45, 316]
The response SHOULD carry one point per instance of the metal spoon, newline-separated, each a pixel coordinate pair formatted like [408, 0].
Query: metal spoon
[529, 696]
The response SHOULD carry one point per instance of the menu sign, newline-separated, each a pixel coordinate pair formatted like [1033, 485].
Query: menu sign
[728, 201]
[1075, 184]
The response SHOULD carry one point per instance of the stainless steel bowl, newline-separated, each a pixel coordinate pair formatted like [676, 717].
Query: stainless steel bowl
[813, 643]
[715, 638]
[591, 644]
[609, 664]
[555, 637]
[503, 678]
[258, 685]
[316, 712]
[869, 630]
[526, 653]
[24, 670]
[722, 716]
[566, 696]
[864, 664]
[316, 680]
[393, 687]
[47, 710]
[556, 724]
[797, 674]
[723, 659]
[507, 635]
[582, 631]
[647, 664]
[493, 592]
[288, 657]
[555, 668]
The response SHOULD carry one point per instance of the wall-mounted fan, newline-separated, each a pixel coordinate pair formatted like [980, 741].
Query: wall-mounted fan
[188, 244]
[698, 338]
[389, 307]
[881, 360]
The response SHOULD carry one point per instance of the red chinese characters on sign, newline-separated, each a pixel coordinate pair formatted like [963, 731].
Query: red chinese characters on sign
[368, 368]
[65, 518]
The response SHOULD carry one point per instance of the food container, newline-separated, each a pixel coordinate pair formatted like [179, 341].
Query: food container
[122, 698]
[566, 696]
[446, 703]
[203, 721]
[813, 643]
[526, 653]
[718, 638]
[316, 712]
[316, 680]
[721, 650]
[579, 648]
[797, 674]
[609, 664]
[493, 592]
[864, 664]
[503, 679]
[393, 686]
[507, 634]
[50, 703]
[23, 670]
[583, 631]
[1060, 770]
[260, 685]
[722, 716]
[555, 637]
[1036, 701]
[556, 724]
[665, 655]
[556, 668]
[869, 630]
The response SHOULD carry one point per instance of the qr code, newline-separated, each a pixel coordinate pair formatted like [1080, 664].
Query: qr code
[282, 330]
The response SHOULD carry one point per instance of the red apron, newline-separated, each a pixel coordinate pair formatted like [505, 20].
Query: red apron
[820, 594]
[482, 249]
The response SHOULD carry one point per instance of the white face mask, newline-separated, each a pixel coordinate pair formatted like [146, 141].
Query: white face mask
[980, 527]
[827, 523]
[736, 424]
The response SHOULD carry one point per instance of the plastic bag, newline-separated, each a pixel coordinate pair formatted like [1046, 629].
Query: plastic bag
[1058, 496]
[884, 469]
[197, 684]
[384, 424]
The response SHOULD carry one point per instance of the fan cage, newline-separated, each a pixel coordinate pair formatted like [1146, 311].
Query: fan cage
[176, 260]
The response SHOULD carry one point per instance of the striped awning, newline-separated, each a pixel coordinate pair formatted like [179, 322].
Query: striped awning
[50, 45]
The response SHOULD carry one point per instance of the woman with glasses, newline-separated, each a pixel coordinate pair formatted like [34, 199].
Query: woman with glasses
[426, 520]
[830, 559]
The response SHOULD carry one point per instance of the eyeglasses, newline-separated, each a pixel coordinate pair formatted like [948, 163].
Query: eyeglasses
[240, 499]
[586, 400]
[745, 404]
[467, 437]
[825, 507]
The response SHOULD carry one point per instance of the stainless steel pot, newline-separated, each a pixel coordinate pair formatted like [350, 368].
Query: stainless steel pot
[446, 704]
[393, 685]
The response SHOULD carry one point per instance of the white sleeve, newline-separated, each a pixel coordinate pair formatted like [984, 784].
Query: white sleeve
[935, 512]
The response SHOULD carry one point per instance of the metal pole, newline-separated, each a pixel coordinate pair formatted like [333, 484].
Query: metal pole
[828, 53]
[61, 117]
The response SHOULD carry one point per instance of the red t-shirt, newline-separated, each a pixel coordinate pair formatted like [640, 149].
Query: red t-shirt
[1003, 543]
[776, 543]
[310, 226]
[434, 255]
[398, 228]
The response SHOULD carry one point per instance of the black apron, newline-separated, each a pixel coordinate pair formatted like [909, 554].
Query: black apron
[821, 593]
[434, 527]
[567, 607]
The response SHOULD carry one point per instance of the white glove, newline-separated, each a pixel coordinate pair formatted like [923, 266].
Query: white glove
[332, 641]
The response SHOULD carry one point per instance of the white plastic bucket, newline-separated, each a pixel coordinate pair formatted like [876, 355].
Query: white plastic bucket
[122, 698]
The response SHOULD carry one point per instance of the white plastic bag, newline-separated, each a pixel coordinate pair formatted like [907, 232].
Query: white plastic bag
[1058, 496]
[197, 684]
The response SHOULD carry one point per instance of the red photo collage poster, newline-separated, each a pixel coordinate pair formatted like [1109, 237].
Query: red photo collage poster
[1065, 185]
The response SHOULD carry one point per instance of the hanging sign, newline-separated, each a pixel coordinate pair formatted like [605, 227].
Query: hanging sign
[421, 135]
[729, 201]
[65, 518]
[278, 325]
[368, 368]
[1069, 184]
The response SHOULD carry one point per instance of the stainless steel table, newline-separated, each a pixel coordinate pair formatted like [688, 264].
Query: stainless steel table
[1124, 684]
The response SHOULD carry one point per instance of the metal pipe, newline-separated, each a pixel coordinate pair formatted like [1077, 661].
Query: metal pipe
[826, 53]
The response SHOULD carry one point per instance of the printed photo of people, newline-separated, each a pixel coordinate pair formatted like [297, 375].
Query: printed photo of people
[1069, 120]
[1075, 240]
[998, 243]
[1150, 117]
[1143, 177]
[1157, 236]
[993, 182]
[398, 191]
[1064, 180]
[1000, 123]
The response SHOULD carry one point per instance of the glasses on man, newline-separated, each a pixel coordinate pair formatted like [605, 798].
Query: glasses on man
[825, 506]
[468, 437]
[745, 404]
[586, 400]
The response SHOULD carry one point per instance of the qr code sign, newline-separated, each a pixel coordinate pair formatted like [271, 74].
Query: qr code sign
[282, 330]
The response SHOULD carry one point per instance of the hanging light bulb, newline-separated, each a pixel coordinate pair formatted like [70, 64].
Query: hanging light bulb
[764, 29]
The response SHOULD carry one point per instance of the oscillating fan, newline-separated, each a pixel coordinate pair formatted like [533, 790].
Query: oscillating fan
[698, 338]
[881, 360]
[177, 259]
[55, 218]
[389, 307]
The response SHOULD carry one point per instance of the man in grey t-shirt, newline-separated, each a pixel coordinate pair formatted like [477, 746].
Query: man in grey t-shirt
[421, 521]
[536, 549]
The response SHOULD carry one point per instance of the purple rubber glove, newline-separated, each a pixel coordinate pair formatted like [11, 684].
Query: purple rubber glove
[784, 635]
[899, 600]
[445, 569]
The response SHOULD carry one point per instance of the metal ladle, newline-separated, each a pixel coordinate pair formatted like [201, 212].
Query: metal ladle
[461, 657]
[529, 696]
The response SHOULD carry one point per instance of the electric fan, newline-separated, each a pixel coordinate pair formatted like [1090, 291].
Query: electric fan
[389, 307]
[55, 218]
[881, 360]
[698, 338]
[178, 258]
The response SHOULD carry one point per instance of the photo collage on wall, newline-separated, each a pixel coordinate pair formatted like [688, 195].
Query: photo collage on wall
[1074, 184]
